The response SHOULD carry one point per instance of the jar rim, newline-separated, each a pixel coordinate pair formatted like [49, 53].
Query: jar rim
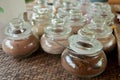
[101, 31]
[21, 35]
[93, 47]
[57, 35]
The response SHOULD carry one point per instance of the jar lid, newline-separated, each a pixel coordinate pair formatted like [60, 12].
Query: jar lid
[103, 6]
[75, 11]
[39, 10]
[41, 16]
[84, 46]
[85, 32]
[62, 13]
[18, 29]
[57, 29]
[76, 17]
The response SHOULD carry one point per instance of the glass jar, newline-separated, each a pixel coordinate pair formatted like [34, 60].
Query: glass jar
[20, 41]
[55, 36]
[68, 5]
[62, 13]
[84, 5]
[84, 57]
[40, 18]
[105, 12]
[57, 5]
[76, 20]
[103, 33]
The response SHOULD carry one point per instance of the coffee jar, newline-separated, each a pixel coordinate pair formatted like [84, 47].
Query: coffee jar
[40, 18]
[103, 33]
[76, 20]
[84, 57]
[105, 12]
[57, 5]
[55, 37]
[20, 41]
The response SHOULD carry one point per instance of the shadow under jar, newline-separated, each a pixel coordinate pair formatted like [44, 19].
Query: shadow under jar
[84, 58]
[20, 41]
[54, 37]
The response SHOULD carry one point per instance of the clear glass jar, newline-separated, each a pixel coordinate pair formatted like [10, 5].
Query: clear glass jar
[20, 41]
[55, 36]
[76, 20]
[68, 5]
[103, 33]
[57, 5]
[84, 57]
[40, 18]
[105, 12]
[84, 5]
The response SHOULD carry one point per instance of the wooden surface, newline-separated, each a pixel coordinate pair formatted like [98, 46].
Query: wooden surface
[43, 66]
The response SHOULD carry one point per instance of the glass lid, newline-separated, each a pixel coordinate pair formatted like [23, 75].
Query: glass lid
[57, 28]
[84, 46]
[18, 29]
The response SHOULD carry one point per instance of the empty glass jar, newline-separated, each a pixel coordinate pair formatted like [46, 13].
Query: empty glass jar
[20, 41]
[54, 39]
[84, 57]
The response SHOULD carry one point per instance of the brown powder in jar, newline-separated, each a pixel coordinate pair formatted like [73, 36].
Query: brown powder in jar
[20, 47]
[52, 47]
[86, 45]
[57, 30]
[38, 29]
[98, 30]
[109, 43]
[83, 66]
[75, 29]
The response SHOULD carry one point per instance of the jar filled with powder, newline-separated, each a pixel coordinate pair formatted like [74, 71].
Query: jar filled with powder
[76, 20]
[103, 33]
[84, 57]
[55, 35]
[40, 18]
[20, 41]
[105, 12]
[57, 5]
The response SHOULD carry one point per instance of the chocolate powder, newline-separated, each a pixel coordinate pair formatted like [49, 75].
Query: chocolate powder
[83, 66]
[21, 47]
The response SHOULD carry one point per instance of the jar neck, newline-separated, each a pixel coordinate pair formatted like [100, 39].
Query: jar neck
[76, 15]
[42, 20]
[18, 29]
[86, 33]
[73, 53]
[99, 28]
[83, 46]
[57, 37]
[57, 29]
[41, 16]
